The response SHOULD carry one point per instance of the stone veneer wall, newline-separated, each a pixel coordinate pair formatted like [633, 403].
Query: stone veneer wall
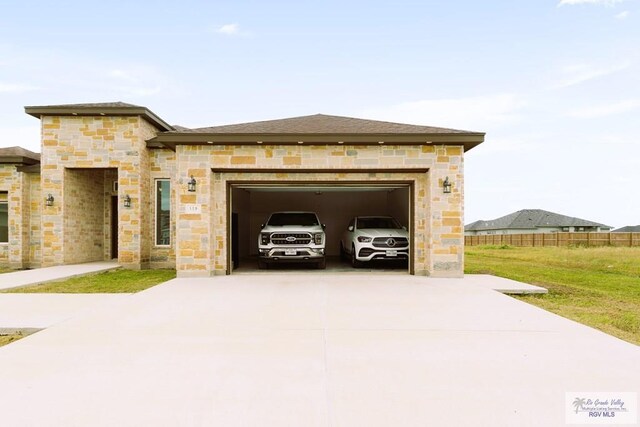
[98, 142]
[8, 174]
[24, 217]
[84, 225]
[438, 217]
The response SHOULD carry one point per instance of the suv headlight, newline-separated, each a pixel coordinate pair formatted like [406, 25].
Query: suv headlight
[317, 238]
[264, 238]
[364, 239]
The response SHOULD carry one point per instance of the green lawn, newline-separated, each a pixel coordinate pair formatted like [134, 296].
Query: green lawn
[8, 339]
[114, 281]
[5, 270]
[599, 287]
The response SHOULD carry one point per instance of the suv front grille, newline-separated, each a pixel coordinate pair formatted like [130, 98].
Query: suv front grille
[390, 242]
[291, 238]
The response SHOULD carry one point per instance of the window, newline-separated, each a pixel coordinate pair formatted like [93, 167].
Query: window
[163, 212]
[4, 217]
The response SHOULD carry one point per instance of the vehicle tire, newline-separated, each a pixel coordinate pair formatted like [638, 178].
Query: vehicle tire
[322, 264]
[354, 261]
[343, 253]
[263, 265]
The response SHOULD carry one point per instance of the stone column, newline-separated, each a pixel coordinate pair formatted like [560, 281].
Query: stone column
[447, 229]
[193, 213]
[19, 221]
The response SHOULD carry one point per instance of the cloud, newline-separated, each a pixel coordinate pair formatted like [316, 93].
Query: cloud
[597, 2]
[605, 110]
[137, 80]
[15, 88]
[580, 73]
[472, 113]
[623, 15]
[229, 29]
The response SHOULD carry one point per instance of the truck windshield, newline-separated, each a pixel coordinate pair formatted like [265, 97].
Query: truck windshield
[293, 218]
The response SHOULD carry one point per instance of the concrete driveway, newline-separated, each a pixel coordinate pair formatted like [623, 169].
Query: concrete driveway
[310, 350]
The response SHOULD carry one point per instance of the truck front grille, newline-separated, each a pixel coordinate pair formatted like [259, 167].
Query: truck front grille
[291, 238]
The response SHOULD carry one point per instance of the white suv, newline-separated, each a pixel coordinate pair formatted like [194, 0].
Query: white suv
[369, 238]
[291, 237]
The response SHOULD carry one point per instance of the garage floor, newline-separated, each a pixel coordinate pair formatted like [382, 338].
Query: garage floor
[299, 349]
[334, 265]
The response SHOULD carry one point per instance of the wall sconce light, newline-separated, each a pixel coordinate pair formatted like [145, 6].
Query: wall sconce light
[49, 200]
[127, 201]
[446, 185]
[191, 185]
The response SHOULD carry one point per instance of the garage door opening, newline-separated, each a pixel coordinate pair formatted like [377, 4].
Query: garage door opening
[334, 203]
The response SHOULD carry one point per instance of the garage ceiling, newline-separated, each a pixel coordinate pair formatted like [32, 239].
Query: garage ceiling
[319, 187]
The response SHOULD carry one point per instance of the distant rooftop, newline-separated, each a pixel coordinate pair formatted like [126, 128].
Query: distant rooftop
[628, 229]
[530, 219]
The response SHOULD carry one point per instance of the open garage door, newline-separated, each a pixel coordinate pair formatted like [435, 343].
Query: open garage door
[335, 203]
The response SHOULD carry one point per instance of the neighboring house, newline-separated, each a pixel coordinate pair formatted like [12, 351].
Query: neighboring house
[532, 221]
[115, 181]
[628, 229]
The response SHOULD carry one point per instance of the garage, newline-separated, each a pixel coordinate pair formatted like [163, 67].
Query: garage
[217, 185]
[335, 203]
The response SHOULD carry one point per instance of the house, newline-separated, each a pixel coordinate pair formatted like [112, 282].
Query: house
[532, 221]
[628, 229]
[116, 181]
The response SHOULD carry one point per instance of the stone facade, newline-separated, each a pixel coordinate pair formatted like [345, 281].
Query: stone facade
[438, 218]
[96, 143]
[23, 196]
[91, 162]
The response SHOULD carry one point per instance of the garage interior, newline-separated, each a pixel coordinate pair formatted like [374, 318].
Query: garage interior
[335, 204]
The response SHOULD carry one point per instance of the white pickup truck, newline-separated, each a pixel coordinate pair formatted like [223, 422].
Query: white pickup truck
[292, 237]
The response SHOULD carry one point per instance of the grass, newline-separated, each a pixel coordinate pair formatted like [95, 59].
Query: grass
[8, 339]
[114, 281]
[599, 287]
[5, 270]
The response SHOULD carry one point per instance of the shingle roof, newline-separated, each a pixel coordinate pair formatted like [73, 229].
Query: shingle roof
[628, 229]
[99, 108]
[117, 104]
[325, 124]
[530, 219]
[18, 155]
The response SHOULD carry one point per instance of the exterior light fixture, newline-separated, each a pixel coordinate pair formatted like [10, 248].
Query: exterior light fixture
[49, 200]
[191, 185]
[127, 201]
[446, 185]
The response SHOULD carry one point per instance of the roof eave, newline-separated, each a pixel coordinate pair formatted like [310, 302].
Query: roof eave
[172, 139]
[18, 160]
[143, 112]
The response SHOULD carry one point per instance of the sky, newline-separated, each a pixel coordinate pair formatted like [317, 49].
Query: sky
[555, 84]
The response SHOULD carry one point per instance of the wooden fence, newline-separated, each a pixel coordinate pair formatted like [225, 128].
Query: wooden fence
[556, 239]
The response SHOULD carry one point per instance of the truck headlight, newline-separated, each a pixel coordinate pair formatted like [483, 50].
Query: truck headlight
[264, 238]
[364, 239]
[317, 238]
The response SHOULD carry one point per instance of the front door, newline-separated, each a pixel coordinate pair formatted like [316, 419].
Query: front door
[114, 227]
